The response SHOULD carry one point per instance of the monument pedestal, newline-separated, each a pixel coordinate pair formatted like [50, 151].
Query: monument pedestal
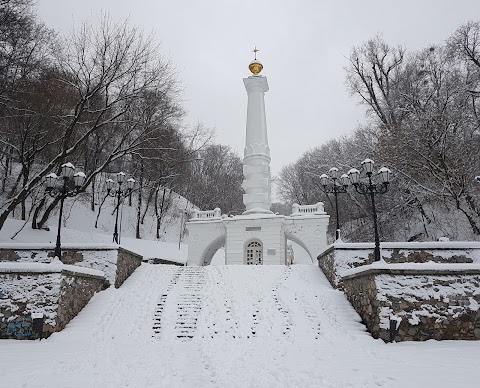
[267, 233]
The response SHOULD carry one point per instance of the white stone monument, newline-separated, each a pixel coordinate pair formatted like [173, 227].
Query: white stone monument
[257, 237]
[256, 158]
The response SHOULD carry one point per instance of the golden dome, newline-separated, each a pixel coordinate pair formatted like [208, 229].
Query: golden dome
[255, 66]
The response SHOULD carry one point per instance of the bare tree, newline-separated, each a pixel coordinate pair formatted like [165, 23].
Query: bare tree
[215, 179]
[107, 71]
[374, 75]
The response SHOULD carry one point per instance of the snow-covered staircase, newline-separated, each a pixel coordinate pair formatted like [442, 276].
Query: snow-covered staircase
[169, 303]
[185, 292]
[243, 302]
[189, 301]
[157, 320]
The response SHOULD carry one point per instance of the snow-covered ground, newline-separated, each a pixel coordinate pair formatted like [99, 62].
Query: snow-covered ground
[229, 326]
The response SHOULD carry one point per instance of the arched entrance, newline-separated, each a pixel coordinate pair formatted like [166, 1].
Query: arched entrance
[211, 249]
[297, 240]
[254, 253]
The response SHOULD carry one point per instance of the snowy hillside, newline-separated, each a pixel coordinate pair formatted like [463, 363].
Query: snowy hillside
[79, 227]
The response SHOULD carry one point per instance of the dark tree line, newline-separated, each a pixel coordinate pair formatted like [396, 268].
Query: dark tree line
[215, 180]
[103, 98]
[423, 111]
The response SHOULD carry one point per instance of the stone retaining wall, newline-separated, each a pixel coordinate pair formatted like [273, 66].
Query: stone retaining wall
[55, 296]
[439, 305]
[428, 303]
[326, 262]
[339, 258]
[127, 262]
[116, 263]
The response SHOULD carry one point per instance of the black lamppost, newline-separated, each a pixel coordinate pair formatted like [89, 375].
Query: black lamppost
[120, 192]
[372, 189]
[58, 187]
[335, 188]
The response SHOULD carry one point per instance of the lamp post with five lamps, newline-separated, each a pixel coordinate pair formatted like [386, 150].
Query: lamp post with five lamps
[120, 192]
[58, 187]
[372, 189]
[335, 188]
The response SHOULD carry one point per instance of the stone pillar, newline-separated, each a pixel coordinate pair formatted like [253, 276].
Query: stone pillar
[256, 161]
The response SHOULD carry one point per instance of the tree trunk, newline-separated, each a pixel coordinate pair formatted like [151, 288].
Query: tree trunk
[139, 203]
[100, 210]
[14, 188]
[24, 210]
[36, 213]
[162, 208]
[158, 217]
[472, 219]
[46, 215]
[92, 202]
[25, 174]
[8, 170]
[147, 205]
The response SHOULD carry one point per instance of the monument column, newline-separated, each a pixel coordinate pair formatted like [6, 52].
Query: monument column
[256, 161]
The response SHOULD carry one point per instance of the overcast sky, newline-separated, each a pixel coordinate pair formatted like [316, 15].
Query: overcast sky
[303, 47]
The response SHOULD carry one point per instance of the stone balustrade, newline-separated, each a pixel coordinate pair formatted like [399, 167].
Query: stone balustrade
[317, 208]
[206, 214]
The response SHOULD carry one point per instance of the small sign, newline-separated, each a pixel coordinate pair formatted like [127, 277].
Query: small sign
[253, 228]
[271, 252]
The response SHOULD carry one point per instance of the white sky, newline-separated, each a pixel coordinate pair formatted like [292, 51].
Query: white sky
[304, 45]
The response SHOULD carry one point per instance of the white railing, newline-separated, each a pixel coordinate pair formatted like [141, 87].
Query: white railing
[308, 209]
[206, 214]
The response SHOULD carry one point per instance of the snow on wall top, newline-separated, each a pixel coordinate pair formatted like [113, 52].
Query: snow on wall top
[429, 266]
[54, 267]
[350, 256]
[407, 245]
[77, 246]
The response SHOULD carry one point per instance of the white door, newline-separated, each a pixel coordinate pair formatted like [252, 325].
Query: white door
[254, 253]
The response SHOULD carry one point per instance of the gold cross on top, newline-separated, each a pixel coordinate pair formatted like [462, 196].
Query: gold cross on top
[255, 50]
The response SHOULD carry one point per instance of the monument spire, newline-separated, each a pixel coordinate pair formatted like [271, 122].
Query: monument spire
[256, 161]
